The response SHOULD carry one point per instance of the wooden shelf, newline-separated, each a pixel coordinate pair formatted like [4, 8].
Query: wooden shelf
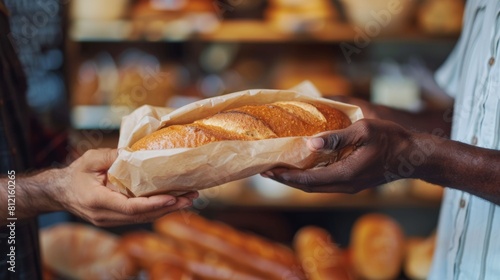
[228, 31]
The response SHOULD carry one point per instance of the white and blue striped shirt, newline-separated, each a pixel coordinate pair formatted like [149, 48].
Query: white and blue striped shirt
[467, 244]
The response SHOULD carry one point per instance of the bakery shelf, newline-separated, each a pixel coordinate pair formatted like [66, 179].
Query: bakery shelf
[227, 31]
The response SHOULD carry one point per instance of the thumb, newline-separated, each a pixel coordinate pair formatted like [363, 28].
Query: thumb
[332, 140]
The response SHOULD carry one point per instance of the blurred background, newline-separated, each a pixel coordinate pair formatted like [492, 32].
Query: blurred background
[91, 62]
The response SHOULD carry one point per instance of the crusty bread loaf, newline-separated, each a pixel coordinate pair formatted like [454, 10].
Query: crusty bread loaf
[247, 251]
[377, 243]
[320, 258]
[252, 122]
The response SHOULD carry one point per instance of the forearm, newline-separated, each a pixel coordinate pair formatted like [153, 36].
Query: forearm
[456, 165]
[426, 121]
[27, 196]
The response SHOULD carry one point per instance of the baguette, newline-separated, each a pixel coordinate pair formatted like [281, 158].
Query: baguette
[252, 122]
[251, 252]
[321, 259]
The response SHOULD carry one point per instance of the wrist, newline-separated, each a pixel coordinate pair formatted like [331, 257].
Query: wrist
[50, 190]
[421, 155]
[405, 156]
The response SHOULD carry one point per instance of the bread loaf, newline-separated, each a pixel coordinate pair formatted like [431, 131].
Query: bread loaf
[79, 251]
[320, 258]
[248, 251]
[377, 243]
[252, 122]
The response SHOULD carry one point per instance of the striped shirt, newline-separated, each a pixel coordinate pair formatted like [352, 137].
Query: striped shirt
[467, 247]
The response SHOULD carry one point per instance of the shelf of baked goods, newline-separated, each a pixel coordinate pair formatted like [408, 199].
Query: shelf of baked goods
[185, 245]
[259, 192]
[230, 31]
[264, 21]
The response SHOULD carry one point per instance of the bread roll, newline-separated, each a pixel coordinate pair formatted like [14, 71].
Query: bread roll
[84, 252]
[252, 122]
[320, 258]
[377, 243]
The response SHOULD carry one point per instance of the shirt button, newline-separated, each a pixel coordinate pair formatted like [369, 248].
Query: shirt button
[491, 61]
[462, 203]
[473, 141]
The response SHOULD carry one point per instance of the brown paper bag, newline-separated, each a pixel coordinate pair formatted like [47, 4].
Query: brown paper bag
[177, 171]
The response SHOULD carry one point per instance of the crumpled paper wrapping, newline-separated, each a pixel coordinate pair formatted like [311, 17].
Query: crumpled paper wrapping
[177, 171]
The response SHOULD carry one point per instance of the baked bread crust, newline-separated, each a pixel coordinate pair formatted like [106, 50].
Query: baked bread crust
[251, 122]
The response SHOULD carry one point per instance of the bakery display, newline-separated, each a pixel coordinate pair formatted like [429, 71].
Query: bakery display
[187, 246]
[252, 122]
[278, 45]
[377, 244]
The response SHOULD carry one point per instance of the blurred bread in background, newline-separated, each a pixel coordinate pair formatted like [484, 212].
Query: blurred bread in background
[292, 69]
[383, 16]
[156, 19]
[441, 17]
[294, 16]
[80, 251]
[419, 254]
[377, 244]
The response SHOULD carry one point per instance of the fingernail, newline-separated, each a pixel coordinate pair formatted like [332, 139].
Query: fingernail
[170, 202]
[317, 143]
